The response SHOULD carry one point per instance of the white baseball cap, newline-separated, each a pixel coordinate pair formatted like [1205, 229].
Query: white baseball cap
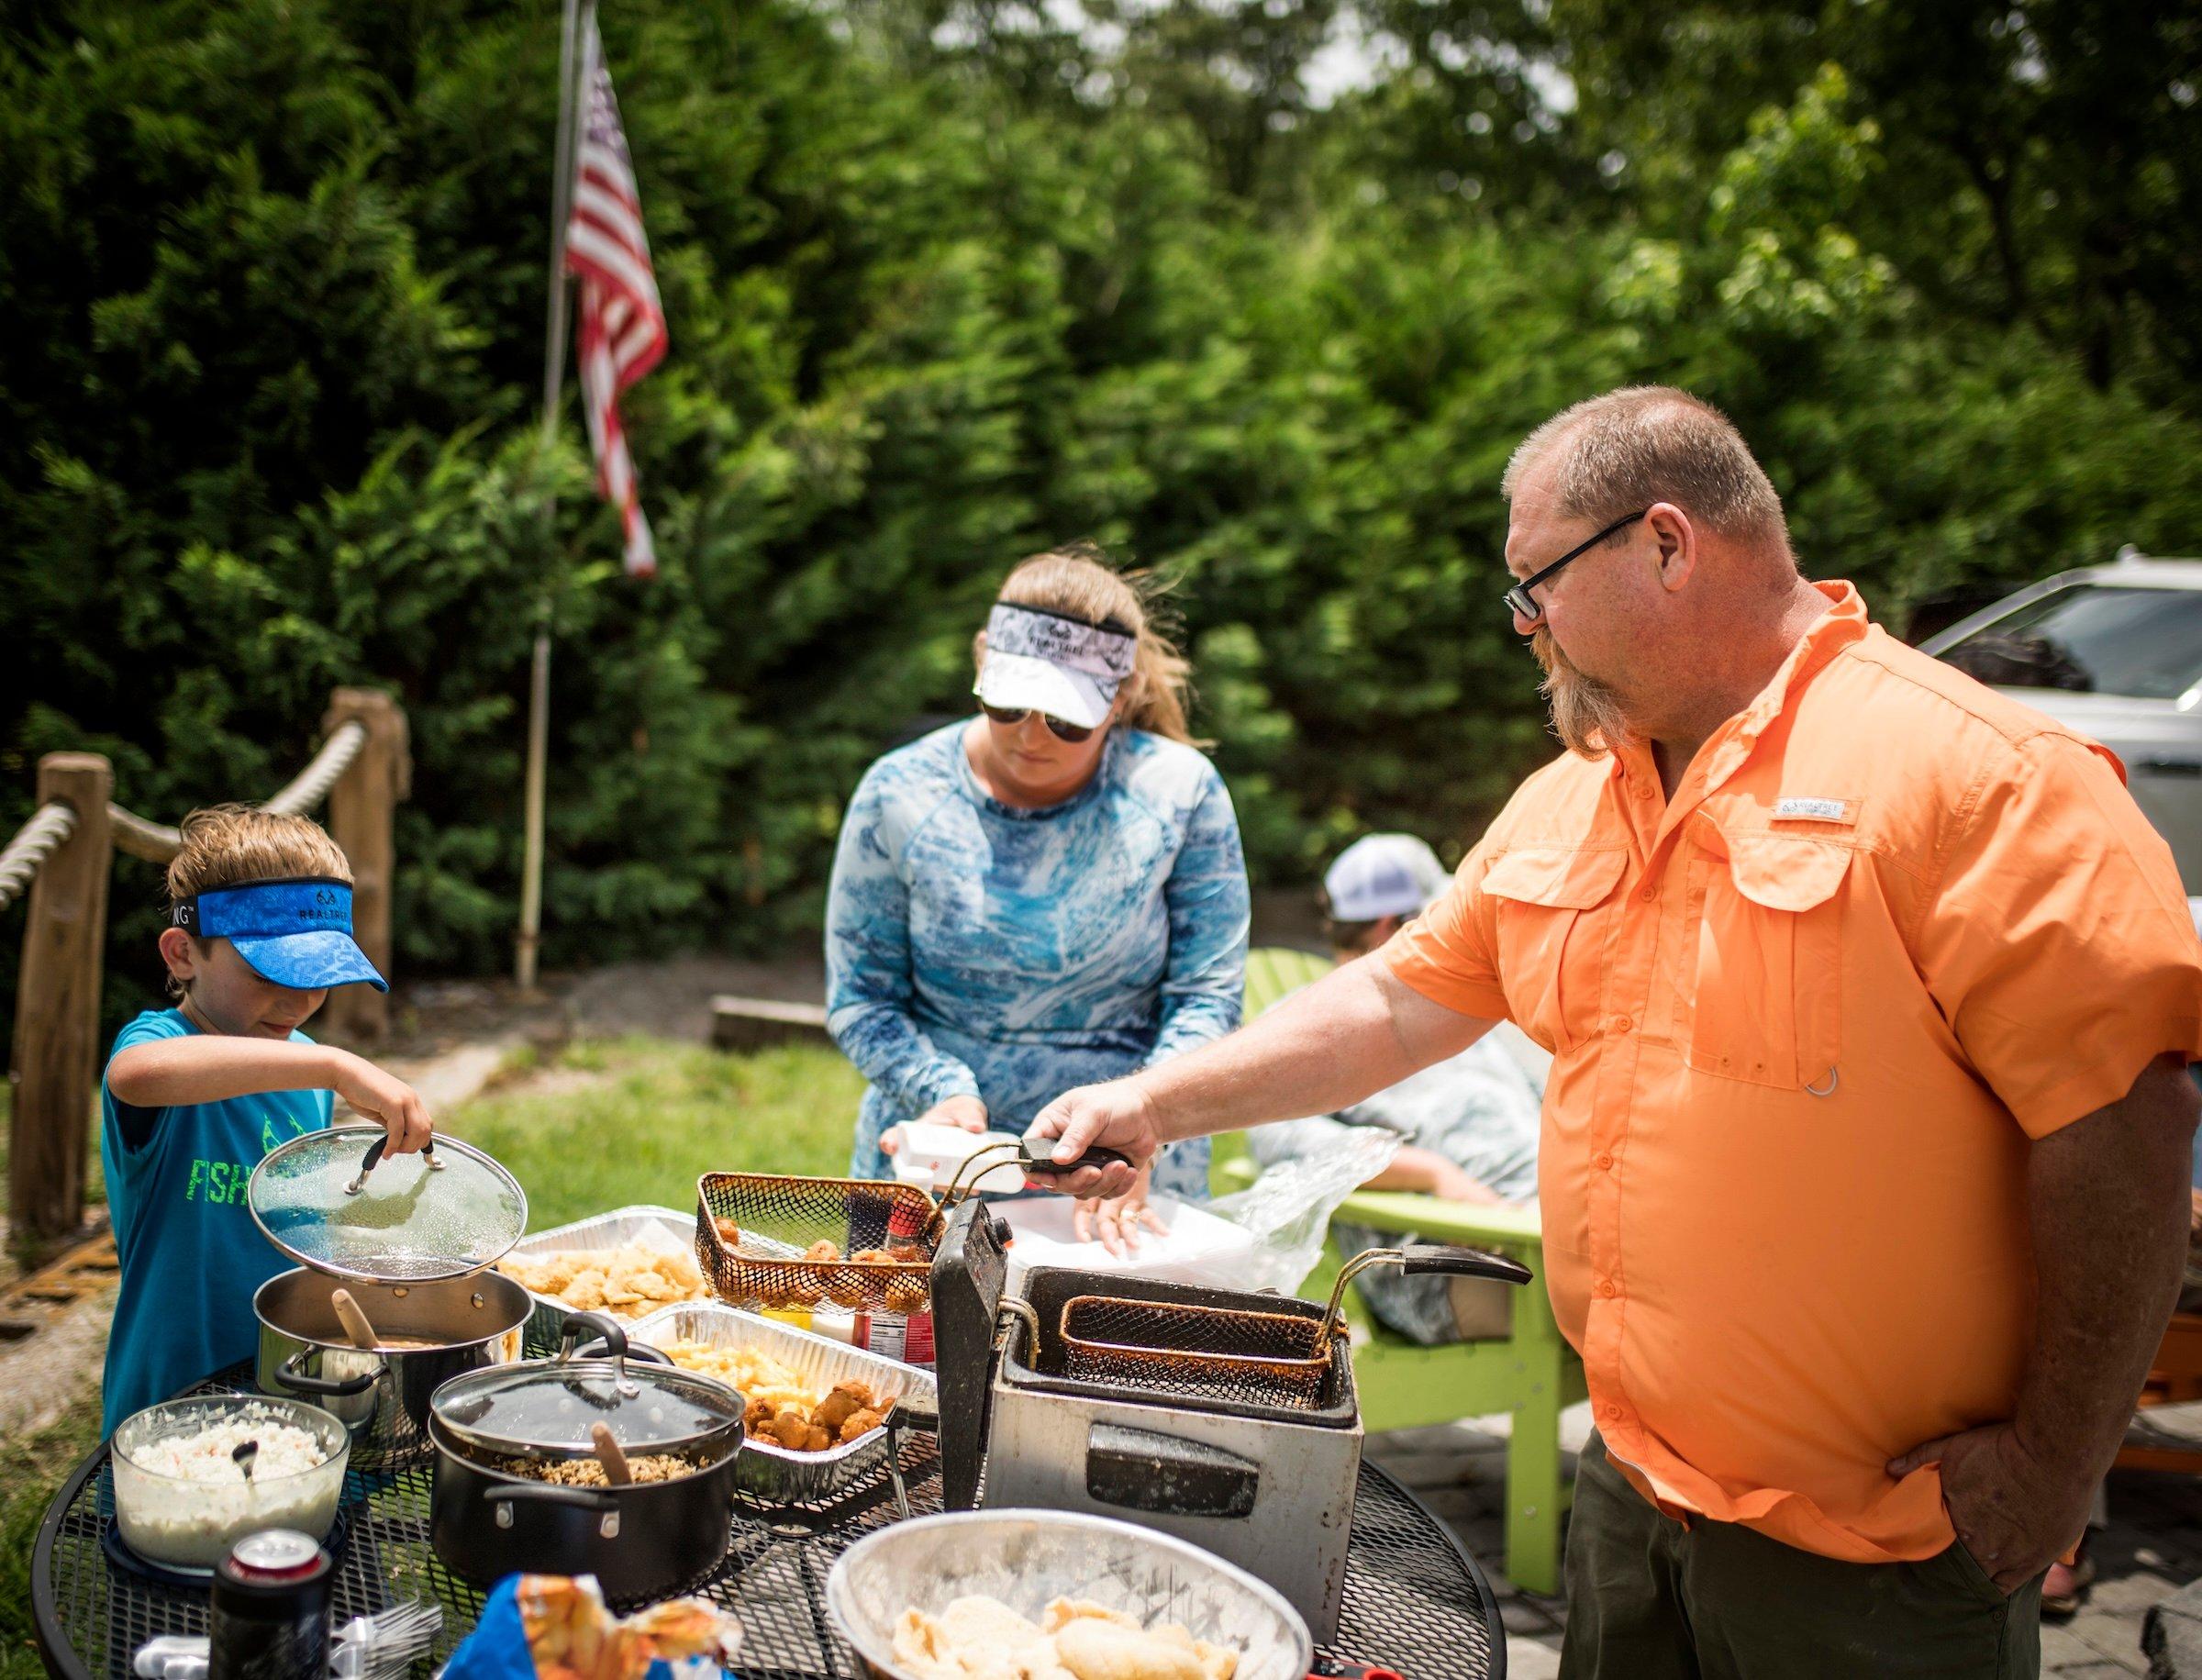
[1383, 874]
[1043, 662]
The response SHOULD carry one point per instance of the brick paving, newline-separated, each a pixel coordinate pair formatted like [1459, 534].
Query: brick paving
[2153, 1547]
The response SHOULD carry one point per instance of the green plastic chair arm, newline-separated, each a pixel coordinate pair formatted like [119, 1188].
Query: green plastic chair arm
[1441, 1221]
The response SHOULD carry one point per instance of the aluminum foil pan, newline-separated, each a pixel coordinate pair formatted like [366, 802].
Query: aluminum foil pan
[1025, 1558]
[778, 1474]
[603, 1231]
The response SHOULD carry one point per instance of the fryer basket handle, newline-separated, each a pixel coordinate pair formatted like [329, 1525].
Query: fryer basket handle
[1418, 1258]
[1036, 1155]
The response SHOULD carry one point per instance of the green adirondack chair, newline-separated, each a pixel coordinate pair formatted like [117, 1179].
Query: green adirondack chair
[1531, 1373]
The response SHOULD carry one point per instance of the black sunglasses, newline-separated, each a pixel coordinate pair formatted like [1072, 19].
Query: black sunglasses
[1524, 603]
[1071, 733]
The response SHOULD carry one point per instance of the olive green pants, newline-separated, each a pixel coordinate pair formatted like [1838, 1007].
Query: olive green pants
[1650, 1599]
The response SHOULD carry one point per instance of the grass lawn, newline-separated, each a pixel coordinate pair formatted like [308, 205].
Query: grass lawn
[608, 1122]
[30, 1469]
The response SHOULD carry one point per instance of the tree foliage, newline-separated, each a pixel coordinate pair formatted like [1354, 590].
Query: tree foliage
[949, 280]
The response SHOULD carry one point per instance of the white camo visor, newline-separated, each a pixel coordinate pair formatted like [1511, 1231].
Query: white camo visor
[1043, 662]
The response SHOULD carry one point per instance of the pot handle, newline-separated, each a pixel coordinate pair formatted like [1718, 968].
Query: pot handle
[607, 1330]
[611, 1342]
[291, 1378]
[546, 1493]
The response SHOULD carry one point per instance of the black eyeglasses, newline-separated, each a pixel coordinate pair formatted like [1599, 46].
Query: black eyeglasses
[1519, 598]
[1071, 733]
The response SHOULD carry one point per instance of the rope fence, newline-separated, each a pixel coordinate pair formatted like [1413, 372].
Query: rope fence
[50, 825]
[156, 843]
[61, 860]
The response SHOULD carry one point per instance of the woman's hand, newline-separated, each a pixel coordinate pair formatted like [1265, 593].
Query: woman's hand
[968, 1112]
[1117, 1220]
[388, 1101]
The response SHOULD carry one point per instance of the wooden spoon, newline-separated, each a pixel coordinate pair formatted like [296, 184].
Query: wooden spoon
[353, 1319]
[609, 1455]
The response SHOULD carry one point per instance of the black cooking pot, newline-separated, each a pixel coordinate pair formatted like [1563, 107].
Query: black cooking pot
[641, 1541]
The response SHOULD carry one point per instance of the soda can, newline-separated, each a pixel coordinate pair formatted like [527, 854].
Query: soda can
[270, 1609]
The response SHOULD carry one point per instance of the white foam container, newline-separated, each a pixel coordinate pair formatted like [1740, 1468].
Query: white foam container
[930, 1153]
[1198, 1249]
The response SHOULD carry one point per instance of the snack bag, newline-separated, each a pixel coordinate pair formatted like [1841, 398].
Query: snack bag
[558, 1627]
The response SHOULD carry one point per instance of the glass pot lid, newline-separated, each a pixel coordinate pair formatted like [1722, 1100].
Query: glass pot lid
[332, 1200]
[547, 1407]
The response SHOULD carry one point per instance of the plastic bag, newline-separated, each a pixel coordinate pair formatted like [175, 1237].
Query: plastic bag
[1287, 1210]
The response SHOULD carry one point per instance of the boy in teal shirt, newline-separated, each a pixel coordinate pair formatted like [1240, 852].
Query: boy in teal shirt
[196, 1095]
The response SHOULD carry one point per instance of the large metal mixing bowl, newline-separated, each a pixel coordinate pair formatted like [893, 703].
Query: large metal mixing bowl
[1025, 1558]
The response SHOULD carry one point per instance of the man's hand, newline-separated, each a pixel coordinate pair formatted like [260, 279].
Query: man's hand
[389, 1102]
[1117, 1221]
[2014, 1513]
[1118, 1116]
[967, 1112]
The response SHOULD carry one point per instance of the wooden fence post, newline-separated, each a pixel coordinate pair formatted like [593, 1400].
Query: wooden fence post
[361, 808]
[56, 1008]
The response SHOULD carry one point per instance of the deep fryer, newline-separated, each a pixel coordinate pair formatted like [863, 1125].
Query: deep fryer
[1253, 1457]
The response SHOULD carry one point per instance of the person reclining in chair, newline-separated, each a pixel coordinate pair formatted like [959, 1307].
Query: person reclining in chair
[1468, 1125]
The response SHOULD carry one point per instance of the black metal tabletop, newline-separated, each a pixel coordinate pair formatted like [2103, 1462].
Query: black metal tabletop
[1414, 1600]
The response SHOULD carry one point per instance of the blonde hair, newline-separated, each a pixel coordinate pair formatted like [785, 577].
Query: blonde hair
[1077, 581]
[224, 844]
[1654, 443]
[227, 844]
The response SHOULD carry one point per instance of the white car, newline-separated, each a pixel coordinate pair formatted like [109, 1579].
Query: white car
[2114, 654]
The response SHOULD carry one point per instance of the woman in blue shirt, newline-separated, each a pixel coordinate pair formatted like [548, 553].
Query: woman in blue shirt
[1048, 895]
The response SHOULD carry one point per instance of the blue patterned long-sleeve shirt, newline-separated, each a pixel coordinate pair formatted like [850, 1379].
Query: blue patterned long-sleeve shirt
[975, 948]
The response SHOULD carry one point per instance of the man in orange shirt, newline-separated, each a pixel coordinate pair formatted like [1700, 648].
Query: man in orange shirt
[1866, 1142]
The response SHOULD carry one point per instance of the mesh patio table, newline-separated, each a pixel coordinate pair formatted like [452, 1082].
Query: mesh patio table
[1415, 1601]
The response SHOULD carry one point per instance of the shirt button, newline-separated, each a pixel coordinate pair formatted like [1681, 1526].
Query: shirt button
[1605, 1289]
[1602, 1160]
[1613, 1412]
[1621, 1023]
[1649, 893]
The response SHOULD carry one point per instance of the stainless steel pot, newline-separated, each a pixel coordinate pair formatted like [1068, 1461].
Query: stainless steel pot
[427, 1334]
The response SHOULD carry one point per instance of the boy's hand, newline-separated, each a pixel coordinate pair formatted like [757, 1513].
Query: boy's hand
[390, 1102]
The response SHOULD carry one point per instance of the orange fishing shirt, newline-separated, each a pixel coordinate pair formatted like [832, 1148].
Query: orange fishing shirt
[1805, 1016]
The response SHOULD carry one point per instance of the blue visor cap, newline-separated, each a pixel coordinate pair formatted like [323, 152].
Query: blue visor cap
[295, 932]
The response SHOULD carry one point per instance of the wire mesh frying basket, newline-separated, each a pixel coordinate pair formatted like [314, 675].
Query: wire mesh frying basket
[770, 1240]
[767, 1241]
[1241, 1355]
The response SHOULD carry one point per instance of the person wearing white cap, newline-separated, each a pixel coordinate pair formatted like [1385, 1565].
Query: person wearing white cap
[1467, 1126]
[1050, 893]
[1383, 879]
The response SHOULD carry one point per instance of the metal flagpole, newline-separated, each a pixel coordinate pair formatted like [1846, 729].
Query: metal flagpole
[554, 370]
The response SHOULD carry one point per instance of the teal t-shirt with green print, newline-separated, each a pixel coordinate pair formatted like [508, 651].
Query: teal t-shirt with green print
[191, 1254]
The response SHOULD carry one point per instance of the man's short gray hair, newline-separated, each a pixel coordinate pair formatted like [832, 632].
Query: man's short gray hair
[1652, 443]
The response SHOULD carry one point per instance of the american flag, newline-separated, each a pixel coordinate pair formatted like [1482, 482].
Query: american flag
[622, 321]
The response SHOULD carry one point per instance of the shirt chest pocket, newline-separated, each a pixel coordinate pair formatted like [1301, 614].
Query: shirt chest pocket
[1552, 914]
[1764, 990]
